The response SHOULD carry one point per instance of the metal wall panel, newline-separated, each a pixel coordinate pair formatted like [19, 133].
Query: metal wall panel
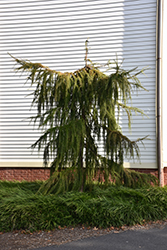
[53, 32]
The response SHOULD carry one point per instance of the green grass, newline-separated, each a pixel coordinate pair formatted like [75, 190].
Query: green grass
[22, 208]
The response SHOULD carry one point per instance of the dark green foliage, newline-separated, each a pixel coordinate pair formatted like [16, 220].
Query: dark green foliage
[76, 112]
[22, 208]
[67, 179]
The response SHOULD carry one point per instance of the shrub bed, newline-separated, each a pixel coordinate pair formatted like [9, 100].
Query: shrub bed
[22, 208]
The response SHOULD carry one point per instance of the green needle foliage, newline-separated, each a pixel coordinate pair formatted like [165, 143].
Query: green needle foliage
[76, 111]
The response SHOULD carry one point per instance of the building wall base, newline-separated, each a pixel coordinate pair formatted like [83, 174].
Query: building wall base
[33, 174]
[27, 174]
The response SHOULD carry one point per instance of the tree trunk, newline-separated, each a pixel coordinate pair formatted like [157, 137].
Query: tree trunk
[80, 170]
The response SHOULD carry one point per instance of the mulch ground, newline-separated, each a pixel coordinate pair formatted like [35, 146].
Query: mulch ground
[24, 240]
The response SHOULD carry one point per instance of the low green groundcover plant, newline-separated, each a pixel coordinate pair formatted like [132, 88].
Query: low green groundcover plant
[21, 207]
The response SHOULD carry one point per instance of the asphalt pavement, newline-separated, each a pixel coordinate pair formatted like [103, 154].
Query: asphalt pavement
[145, 239]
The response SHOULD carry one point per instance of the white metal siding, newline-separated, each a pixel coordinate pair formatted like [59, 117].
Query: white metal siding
[53, 32]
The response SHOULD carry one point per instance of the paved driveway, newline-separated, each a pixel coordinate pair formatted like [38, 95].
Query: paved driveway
[152, 239]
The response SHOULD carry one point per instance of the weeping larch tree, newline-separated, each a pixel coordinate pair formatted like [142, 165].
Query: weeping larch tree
[76, 111]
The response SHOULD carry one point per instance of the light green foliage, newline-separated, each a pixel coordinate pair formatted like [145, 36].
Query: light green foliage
[76, 111]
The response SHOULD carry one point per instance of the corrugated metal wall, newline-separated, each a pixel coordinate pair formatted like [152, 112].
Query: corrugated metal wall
[53, 32]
